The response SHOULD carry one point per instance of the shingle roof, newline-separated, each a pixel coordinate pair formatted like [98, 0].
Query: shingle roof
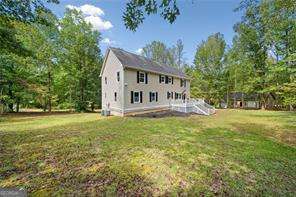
[131, 60]
[240, 95]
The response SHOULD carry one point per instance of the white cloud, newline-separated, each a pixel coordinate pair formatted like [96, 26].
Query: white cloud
[98, 23]
[139, 51]
[92, 15]
[92, 10]
[107, 41]
[88, 9]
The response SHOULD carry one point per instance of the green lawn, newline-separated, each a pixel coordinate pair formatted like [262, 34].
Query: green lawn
[234, 152]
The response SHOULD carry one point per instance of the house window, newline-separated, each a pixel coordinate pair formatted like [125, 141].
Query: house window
[115, 96]
[136, 97]
[170, 95]
[118, 76]
[182, 82]
[169, 79]
[153, 96]
[162, 79]
[105, 80]
[141, 77]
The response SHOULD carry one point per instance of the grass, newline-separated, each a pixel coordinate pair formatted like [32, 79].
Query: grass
[234, 152]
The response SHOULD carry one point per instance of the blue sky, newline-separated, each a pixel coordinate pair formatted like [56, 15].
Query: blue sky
[198, 20]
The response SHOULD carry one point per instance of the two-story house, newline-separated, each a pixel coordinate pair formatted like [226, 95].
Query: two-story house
[134, 84]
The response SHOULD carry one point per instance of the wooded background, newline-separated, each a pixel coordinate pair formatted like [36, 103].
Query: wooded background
[49, 63]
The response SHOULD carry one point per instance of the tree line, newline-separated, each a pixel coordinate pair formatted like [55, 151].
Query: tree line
[261, 59]
[47, 62]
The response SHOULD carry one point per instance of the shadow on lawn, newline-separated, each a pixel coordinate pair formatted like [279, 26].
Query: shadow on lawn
[39, 113]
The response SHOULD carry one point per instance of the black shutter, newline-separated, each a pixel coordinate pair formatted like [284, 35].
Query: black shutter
[156, 96]
[146, 78]
[138, 73]
[159, 78]
[168, 95]
[184, 82]
[166, 79]
[172, 95]
[141, 96]
[150, 96]
[172, 80]
[132, 97]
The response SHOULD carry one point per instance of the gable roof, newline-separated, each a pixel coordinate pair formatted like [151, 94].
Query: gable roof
[133, 61]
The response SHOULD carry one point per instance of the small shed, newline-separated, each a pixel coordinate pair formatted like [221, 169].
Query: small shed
[244, 101]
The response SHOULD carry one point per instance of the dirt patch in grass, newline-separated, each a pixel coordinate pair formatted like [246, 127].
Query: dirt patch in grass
[163, 114]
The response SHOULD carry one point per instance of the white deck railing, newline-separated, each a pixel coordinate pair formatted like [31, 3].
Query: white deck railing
[195, 106]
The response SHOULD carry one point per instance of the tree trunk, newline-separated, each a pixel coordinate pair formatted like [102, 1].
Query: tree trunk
[263, 101]
[49, 91]
[234, 100]
[243, 101]
[10, 94]
[45, 105]
[17, 105]
[227, 97]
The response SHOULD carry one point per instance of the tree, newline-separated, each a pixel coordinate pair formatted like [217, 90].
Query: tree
[238, 72]
[136, 9]
[266, 36]
[42, 40]
[12, 52]
[80, 58]
[159, 52]
[23, 10]
[156, 51]
[209, 63]
[179, 53]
